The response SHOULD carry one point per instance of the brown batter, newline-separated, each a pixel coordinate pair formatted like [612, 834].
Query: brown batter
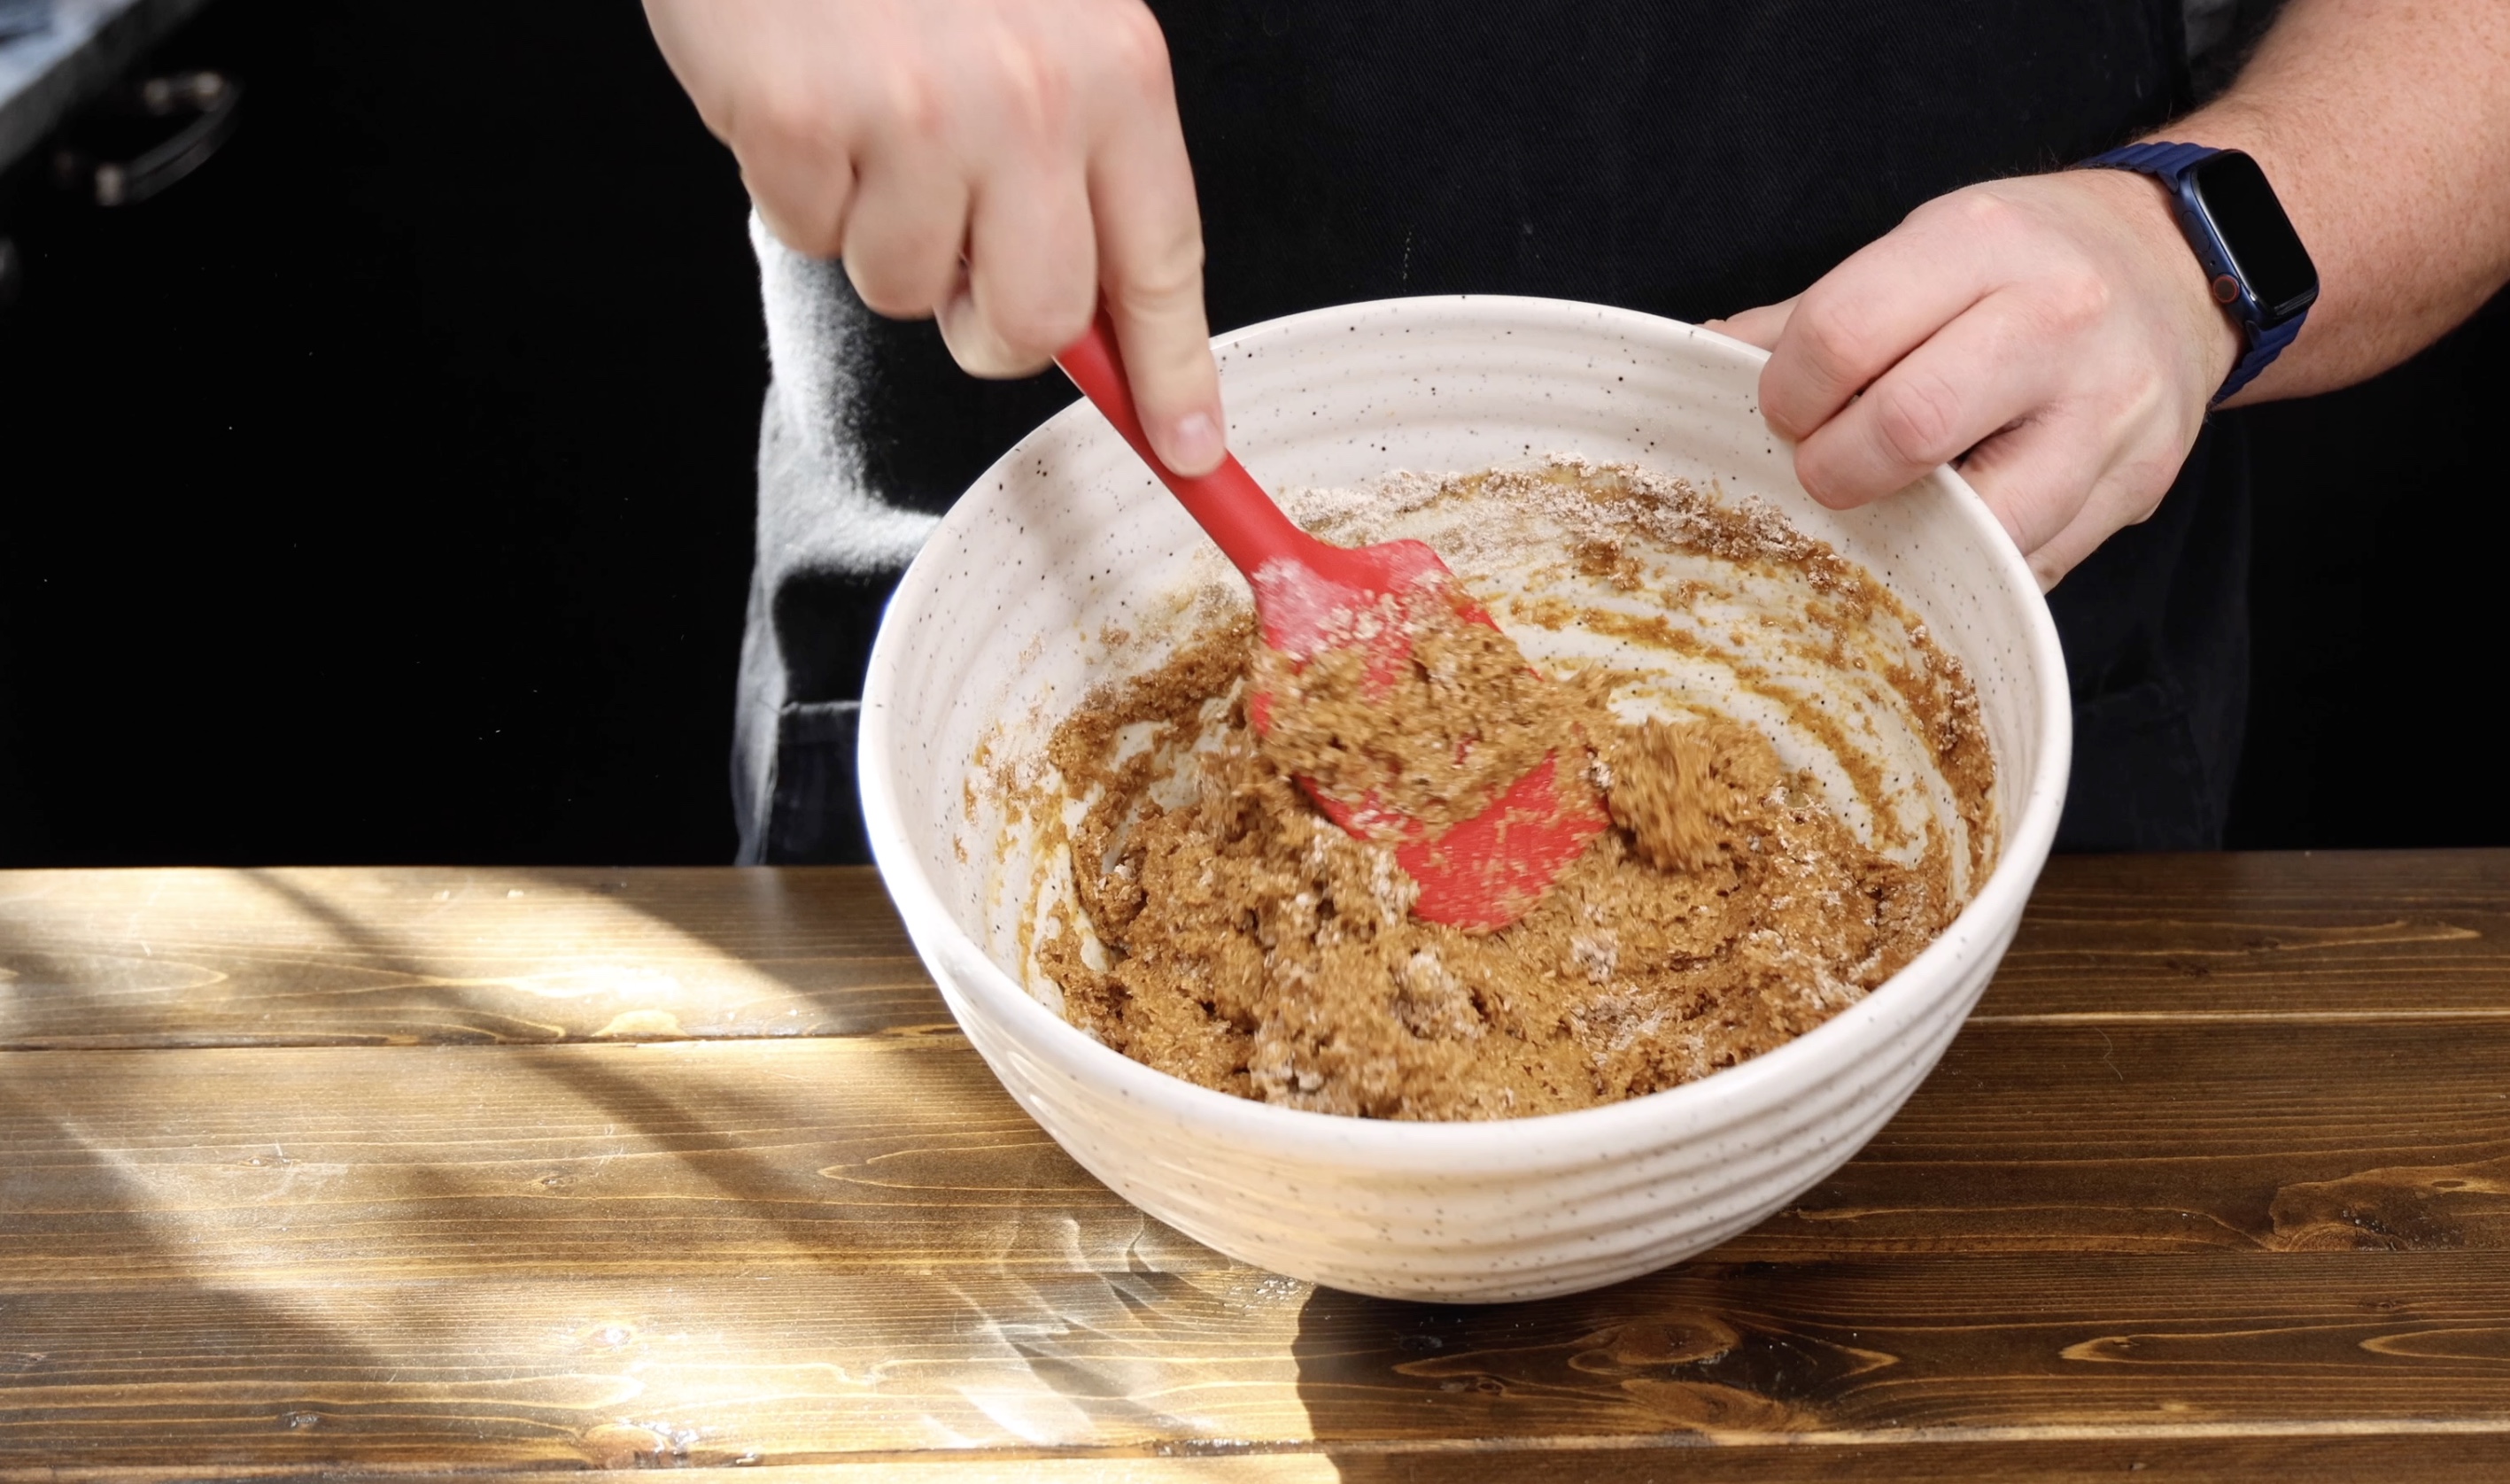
[1437, 740]
[1244, 942]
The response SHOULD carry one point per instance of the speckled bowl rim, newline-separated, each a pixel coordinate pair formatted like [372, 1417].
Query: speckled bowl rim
[1500, 1146]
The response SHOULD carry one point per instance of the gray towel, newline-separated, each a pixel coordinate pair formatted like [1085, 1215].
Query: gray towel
[818, 517]
[19, 17]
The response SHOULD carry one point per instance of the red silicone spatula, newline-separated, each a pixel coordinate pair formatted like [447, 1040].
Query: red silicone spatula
[1478, 874]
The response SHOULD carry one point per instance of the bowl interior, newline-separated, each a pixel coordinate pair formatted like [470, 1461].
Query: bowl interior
[1067, 564]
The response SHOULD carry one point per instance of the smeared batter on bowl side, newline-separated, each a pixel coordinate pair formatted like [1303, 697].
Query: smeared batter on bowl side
[1219, 928]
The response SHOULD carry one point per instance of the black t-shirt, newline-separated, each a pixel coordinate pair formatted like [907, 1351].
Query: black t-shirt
[1689, 160]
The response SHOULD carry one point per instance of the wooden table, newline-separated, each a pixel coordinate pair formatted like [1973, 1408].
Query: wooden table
[506, 1171]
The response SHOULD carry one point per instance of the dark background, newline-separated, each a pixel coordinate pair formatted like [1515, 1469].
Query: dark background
[382, 493]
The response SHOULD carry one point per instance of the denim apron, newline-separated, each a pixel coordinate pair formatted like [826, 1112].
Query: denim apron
[1687, 160]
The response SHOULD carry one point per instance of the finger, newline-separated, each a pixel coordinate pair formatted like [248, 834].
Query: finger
[1978, 373]
[2037, 475]
[2065, 489]
[1759, 327]
[1149, 267]
[803, 203]
[1032, 273]
[2085, 534]
[2065, 552]
[904, 231]
[1870, 311]
[793, 130]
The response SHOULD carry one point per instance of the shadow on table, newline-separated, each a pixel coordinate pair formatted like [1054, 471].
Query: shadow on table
[1049, 1313]
[1102, 1334]
[658, 955]
[154, 1310]
[115, 1345]
[1068, 1327]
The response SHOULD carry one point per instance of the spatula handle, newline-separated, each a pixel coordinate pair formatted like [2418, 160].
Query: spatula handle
[1229, 505]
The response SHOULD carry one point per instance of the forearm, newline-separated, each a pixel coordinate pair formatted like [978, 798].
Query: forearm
[2385, 125]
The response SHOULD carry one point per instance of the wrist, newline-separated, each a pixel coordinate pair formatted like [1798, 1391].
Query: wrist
[2209, 339]
[2226, 124]
[2255, 263]
[2234, 124]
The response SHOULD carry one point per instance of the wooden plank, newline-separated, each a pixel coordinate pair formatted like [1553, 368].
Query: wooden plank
[2329, 935]
[311, 1165]
[2277, 1136]
[409, 956]
[2411, 1456]
[2213, 1229]
[903, 1153]
[2390, 1458]
[794, 1250]
[805, 1364]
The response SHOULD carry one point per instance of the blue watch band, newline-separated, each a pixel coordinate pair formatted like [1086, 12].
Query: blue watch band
[2170, 164]
[2159, 157]
[2265, 345]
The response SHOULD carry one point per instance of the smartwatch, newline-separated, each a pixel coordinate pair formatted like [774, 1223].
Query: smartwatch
[2257, 269]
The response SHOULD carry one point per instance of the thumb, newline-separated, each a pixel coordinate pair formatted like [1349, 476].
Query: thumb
[1760, 327]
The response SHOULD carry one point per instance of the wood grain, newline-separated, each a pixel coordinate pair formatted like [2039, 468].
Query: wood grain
[418, 956]
[809, 1249]
[2330, 936]
[2412, 1456]
[317, 1164]
[332, 1171]
[903, 1152]
[813, 1365]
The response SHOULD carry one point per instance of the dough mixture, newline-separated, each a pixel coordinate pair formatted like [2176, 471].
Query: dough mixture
[1246, 942]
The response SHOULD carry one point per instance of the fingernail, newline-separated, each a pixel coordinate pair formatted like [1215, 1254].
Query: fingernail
[1195, 444]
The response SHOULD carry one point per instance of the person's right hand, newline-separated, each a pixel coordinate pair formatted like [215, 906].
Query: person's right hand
[999, 164]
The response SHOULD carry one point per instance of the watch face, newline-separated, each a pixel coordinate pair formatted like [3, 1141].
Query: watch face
[2250, 225]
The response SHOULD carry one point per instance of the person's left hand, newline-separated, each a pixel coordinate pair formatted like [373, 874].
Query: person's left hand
[2050, 334]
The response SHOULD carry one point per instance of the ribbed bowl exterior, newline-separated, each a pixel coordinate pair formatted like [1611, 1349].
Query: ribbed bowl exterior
[1455, 1212]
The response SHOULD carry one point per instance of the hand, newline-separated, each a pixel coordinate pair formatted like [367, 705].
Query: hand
[1001, 164]
[2050, 334]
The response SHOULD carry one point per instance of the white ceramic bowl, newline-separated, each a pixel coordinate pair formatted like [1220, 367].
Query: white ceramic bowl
[997, 620]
